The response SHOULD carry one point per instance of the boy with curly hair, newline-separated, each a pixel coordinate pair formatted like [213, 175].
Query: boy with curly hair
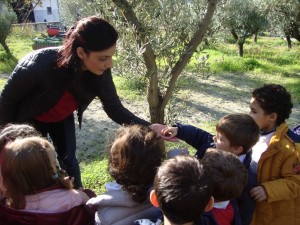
[277, 158]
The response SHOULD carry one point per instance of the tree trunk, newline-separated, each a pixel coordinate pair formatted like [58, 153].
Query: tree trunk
[241, 49]
[255, 38]
[4, 45]
[157, 101]
[240, 46]
[288, 39]
[232, 31]
[157, 113]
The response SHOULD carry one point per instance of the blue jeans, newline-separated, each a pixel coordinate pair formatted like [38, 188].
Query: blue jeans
[62, 135]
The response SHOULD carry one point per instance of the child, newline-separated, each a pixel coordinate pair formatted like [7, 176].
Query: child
[9, 133]
[230, 178]
[182, 190]
[31, 179]
[277, 158]
[236, 133]
[134, 157]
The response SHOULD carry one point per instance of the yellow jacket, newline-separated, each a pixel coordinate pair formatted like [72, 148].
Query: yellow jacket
[278, 175]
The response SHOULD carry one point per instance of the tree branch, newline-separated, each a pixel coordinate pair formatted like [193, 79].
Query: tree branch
[190, 49]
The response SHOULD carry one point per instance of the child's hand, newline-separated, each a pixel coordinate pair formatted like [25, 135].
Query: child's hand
[258, 193]
[159, 129]
[169, 132]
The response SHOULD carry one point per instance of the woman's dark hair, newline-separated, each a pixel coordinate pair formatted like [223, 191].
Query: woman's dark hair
[92, 34]
[134, 158]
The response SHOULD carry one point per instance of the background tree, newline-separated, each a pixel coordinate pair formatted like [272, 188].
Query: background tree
[158, 39]
[285, 16]
[243, 19]
[7, 18]
[23, 9]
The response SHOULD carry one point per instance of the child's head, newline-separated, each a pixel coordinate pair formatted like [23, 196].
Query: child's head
[270, 106]
[236, 133]
[229, 174]
[14, 131]
[11, 132]
[29, 165]
[134, 157]
[182, 189]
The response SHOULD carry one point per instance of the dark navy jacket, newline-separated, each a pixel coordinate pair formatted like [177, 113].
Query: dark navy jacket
[202, 140]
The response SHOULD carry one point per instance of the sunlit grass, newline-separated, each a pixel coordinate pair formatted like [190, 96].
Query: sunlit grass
[133, 89]
[94, 175]
[20, 43]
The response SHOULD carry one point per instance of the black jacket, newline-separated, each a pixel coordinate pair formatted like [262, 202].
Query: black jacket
[36, 84]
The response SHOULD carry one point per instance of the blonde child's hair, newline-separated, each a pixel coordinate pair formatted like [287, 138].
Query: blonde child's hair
[29, 166]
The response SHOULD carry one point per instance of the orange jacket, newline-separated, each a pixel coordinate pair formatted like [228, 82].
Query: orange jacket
[278, 174]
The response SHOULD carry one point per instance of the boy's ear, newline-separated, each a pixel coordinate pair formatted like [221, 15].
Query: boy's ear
[237, 150]
[273, 116]
[210, 204]
[153, 198]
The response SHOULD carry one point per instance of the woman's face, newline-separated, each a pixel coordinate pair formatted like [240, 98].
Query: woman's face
[97, 62]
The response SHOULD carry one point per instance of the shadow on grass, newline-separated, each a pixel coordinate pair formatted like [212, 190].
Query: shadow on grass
[229, 87]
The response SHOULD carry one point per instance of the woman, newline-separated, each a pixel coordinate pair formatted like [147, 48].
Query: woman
[48, 85]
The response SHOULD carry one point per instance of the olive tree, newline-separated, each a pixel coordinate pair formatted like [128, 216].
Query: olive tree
[157, 40]
[285, 15]
[243, 19]
[7, 18]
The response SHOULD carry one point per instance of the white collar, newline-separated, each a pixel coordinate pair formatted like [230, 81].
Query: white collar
[221, 205]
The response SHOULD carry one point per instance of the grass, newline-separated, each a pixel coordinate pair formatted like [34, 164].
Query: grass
[267, 61]
[20, 43]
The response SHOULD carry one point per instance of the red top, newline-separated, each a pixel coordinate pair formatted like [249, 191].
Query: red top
[224, 216]
[63, 108]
